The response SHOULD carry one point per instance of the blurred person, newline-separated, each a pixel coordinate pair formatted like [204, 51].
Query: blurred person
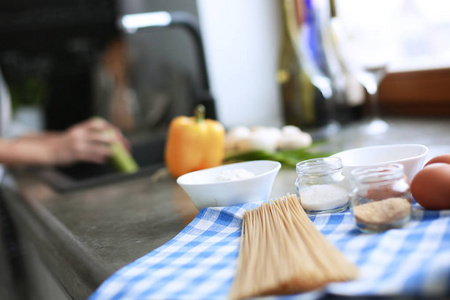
[83, 142]
[87, 141]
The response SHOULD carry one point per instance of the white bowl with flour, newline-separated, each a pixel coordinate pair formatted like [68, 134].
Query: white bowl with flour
[231, 184]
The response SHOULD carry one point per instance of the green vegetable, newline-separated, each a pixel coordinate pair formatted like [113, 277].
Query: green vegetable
[288, 158]
[122, 160]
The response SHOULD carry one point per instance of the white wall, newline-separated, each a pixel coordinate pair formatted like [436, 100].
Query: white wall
[242, 41]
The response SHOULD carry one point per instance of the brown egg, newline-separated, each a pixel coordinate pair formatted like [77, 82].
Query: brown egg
[444, 158]
[431, 186]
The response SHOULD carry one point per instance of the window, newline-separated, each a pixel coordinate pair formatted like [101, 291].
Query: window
[416, 36]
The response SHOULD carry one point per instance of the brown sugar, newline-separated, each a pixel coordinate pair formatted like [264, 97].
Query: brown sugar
[385, 211]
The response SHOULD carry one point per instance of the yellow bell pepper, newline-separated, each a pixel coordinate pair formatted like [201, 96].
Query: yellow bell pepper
[194, 143]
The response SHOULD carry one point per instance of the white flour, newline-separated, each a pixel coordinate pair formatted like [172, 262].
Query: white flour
[234, 174]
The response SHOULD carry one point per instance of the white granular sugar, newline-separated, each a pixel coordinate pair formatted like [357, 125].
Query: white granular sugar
[323, 197]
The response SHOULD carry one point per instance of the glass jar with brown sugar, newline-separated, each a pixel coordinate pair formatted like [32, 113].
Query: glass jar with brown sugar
[380, 197]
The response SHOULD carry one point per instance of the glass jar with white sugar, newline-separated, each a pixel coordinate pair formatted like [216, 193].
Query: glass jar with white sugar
[320, 185]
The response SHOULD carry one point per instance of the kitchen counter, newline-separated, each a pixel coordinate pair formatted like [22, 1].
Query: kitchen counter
[82, 237]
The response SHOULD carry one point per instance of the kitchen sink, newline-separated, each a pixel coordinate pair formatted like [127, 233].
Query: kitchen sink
[148, 154]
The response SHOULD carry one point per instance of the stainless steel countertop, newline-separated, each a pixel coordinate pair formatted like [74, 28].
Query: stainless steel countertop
[84, 236]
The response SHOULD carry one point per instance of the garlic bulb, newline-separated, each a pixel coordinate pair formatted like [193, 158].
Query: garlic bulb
[234, 136]
[243, 139]
[259, 139]
[293, 138]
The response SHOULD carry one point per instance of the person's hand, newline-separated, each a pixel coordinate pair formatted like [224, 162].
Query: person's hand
[88, 142]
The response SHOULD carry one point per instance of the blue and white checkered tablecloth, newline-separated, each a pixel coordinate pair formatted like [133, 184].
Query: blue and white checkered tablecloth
[200, 262]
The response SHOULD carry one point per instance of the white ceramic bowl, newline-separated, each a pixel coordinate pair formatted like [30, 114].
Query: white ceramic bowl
[411, 156]
[205, 191]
